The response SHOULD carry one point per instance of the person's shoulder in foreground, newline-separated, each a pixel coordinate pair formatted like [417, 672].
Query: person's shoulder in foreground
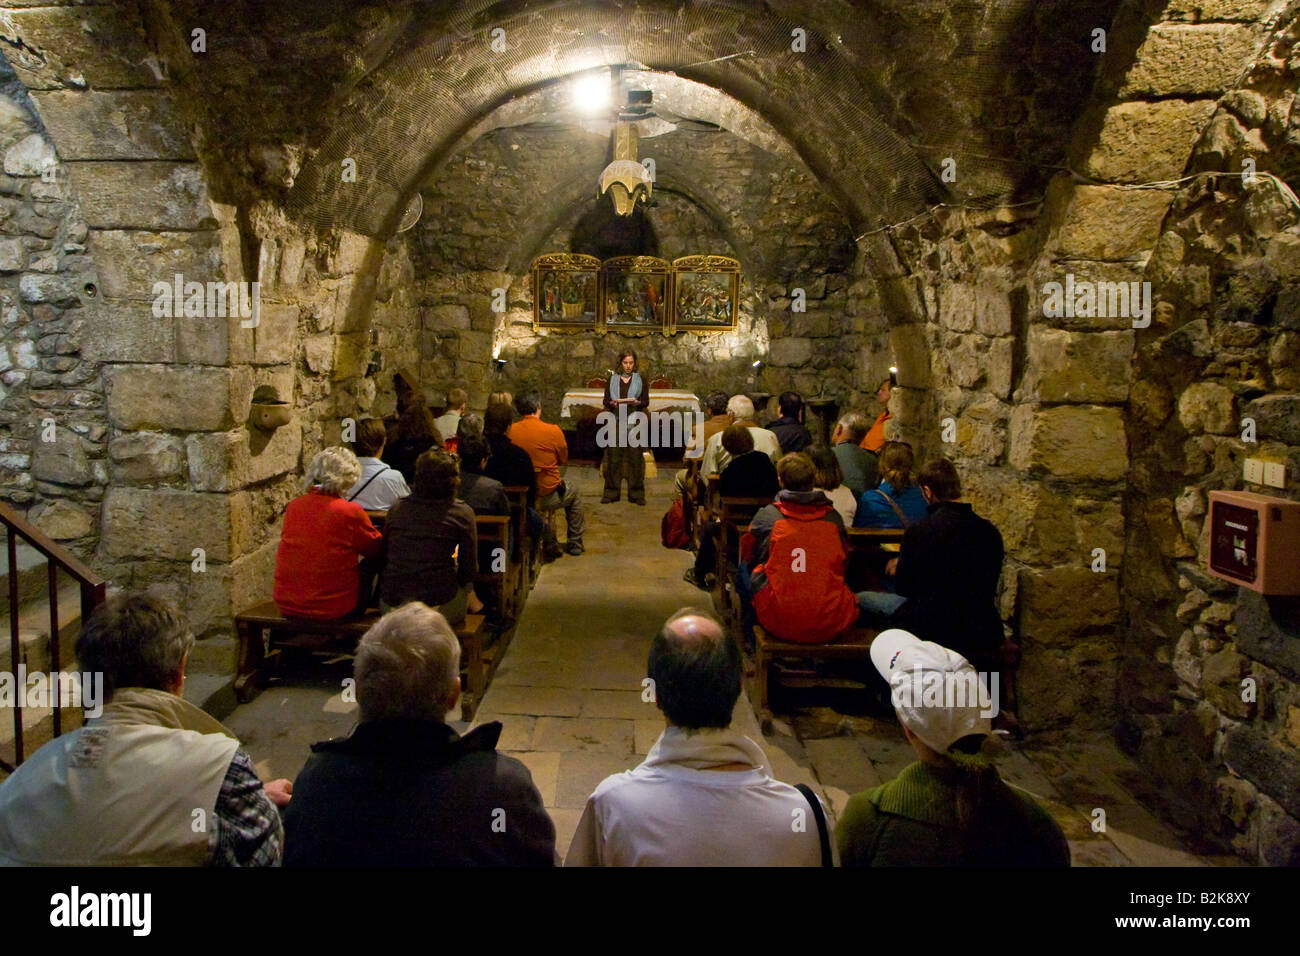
[704, 796]
[950, 808]
[404, 789]
[129, 786]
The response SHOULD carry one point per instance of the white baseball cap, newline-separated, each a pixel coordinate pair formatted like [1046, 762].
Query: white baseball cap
[938, 695]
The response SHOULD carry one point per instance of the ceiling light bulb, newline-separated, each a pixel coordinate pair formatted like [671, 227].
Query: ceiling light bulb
[591, 93]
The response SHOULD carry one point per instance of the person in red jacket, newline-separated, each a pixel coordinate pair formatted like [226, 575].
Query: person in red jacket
[324, 535]
[796, 549]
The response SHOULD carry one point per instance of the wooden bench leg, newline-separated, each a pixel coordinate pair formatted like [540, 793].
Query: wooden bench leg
[252, 658]
[472, 647]
[761, 664]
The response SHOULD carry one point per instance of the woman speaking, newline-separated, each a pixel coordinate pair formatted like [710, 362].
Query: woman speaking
[627, 389]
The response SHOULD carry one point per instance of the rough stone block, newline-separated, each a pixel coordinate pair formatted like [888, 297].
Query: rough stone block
[1277, 418]
[1091, 597]
[353, 253]
[62, 461]
[957, 307]
[116, 124]
[213, 341]
[1083, 441]
[218, 461]
[13, 255]
[444, 317]
[911, 351]
[318, 351]
[1142, 142]
[1208, 407]
[1207, 10]
[1221, 677]
[1279, 835]
[181, 399]
[1179, 58]
[992, 312]
[276, 455]
[162, 523]
[123, 330]
[142, 195]
[29, 156]
[1086, 367]
[1268, 630]
[78, 46]
[62, 520]
[146, 457]
[351, 355]
[1102, 222]
[274, 335]
[131, 261]
[1248, 752]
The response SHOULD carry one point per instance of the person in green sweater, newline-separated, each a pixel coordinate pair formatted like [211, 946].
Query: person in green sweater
[950, 808]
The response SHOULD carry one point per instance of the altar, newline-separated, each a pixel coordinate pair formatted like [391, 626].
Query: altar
[661, 400]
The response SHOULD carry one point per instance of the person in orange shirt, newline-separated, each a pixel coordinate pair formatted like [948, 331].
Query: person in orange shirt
[547, 448]
[875, 439]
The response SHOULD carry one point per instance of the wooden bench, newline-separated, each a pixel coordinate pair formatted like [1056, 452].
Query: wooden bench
[868, 550]
[853, 645]
[494, 531]
[733, 517]
[525, 548]
[264, 633]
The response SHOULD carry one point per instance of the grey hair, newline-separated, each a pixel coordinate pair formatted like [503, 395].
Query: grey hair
[471, 424]
[741, 407]
[408, 666]
[335, 470]
[855, 423]
[135, 640]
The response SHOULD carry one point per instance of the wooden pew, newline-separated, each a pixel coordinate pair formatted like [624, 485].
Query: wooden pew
[264, 633]
[494, 531]
[853, 645]
[869, 548]
[733, 516]
[525, 548]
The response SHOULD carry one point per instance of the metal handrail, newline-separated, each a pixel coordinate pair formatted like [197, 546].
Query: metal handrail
[57, 557]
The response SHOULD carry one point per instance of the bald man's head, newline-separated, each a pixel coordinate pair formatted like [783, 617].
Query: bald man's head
[696, 670]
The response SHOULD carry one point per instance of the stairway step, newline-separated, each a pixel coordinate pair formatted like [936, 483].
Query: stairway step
[34, 631]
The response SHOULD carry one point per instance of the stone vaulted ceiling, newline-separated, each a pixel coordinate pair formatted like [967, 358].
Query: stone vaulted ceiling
[882, 93]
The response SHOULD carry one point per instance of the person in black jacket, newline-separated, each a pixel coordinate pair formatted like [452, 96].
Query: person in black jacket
[404, 789]
[789, 429]
[748, 473]
[948, 570]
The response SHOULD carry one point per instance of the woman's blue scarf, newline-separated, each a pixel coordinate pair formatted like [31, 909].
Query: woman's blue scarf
[633, 387]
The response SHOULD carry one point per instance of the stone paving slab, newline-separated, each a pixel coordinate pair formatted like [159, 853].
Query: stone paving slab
[625, 704]
[591, 734]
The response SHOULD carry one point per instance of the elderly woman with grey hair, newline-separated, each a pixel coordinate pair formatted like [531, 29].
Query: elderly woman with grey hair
[316, 574]
[404, 789]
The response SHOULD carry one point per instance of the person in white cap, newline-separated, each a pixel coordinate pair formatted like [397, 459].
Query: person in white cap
[950, 808]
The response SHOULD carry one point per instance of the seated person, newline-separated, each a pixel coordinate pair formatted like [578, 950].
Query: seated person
[123, 789]
[830, 483]
[897, 502]
[416, 434]
[548, 449]
[404, 789]
[431, 543]
[741, 410]
[859, 467]
[795, 550]
[449, 420]
[704, 795]
[486, 496]
[379, 485]
[789, 428]
[947, 574]
[716, 405]
[324, 535]
[510, 464]
[502, 398]
[876, 436]
[950, 808]
[470, 426]
[746, 474]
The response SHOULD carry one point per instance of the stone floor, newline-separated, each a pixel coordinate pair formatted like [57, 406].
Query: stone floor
[569, 695]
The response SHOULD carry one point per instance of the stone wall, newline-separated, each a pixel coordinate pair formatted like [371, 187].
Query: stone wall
[485, 220]
[1210, 688]
[54, 453]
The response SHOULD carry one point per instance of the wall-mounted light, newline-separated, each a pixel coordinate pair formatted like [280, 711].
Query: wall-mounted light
[893, 376]
[499, 364]
[758, 363]
[591, 93]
